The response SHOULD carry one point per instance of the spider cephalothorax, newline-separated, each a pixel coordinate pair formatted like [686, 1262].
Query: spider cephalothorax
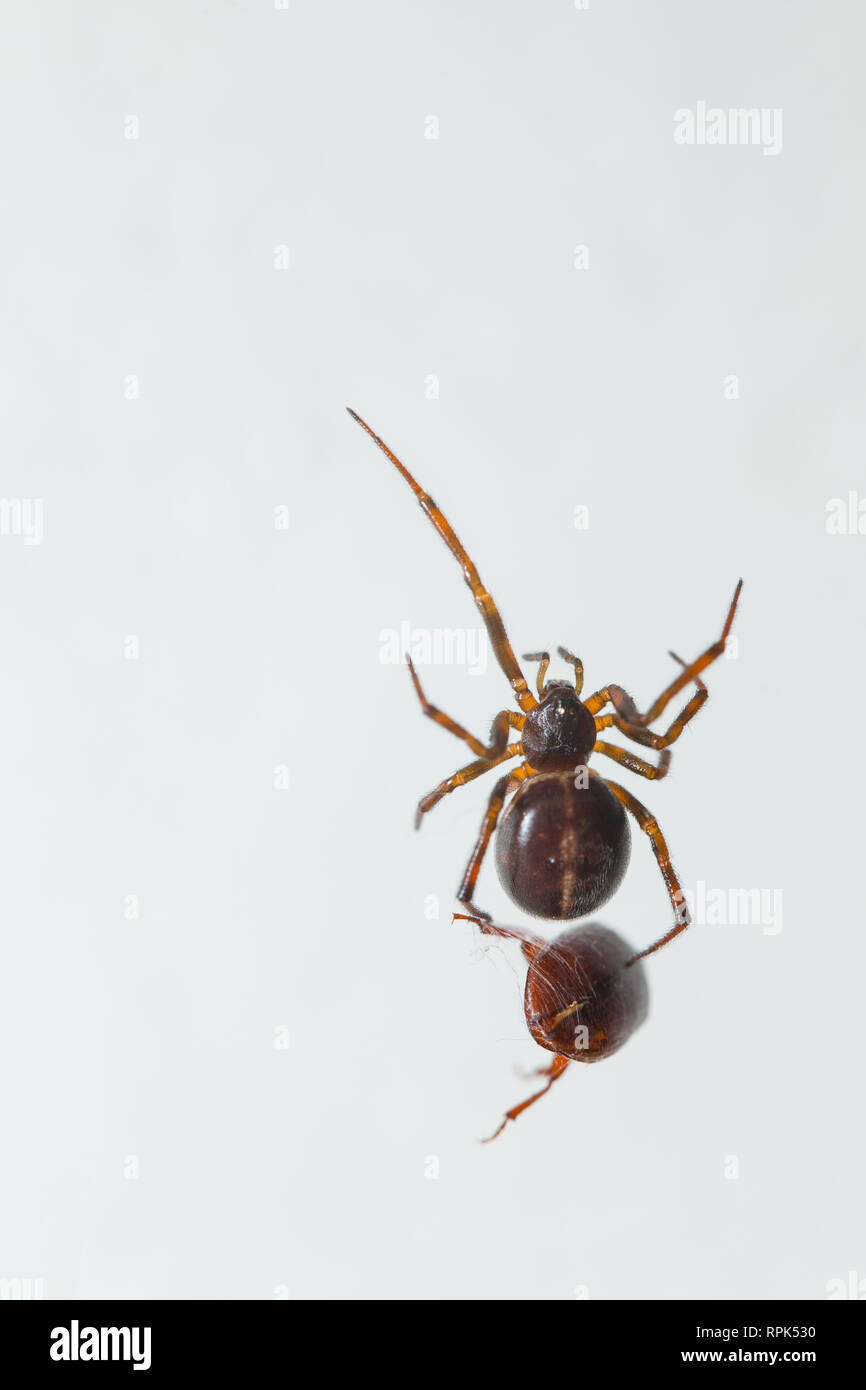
[559, 734]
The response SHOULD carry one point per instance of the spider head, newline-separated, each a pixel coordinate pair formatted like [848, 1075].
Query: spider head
[560, 732]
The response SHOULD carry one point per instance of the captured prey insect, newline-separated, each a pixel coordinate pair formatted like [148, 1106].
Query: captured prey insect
[563, 842]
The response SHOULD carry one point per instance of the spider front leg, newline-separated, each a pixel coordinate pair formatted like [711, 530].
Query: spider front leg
[505, 720]
[695, 667]
[650, 826]
[644, 736]
[483, 598]
[689, 673]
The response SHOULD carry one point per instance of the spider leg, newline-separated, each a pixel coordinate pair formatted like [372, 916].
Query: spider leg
[650, 826]
[625, 705]
[632, 761]
[527, 1073]
[506, 719]
[462, 776]
[644, 736]
[553, 1072]
[483, 600]
[529, 942]
[488, 825]
[695, 667]
[698, 682]
[690, 672]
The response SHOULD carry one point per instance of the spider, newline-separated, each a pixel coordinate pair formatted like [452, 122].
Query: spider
[563, 841]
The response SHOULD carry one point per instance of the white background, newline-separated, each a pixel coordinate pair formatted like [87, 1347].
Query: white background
[148, 1045]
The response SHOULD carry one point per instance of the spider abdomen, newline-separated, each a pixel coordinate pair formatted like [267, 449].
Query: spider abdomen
[561, 849]
[582, 1001]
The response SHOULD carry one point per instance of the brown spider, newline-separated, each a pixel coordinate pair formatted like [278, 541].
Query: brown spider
[563, 842]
